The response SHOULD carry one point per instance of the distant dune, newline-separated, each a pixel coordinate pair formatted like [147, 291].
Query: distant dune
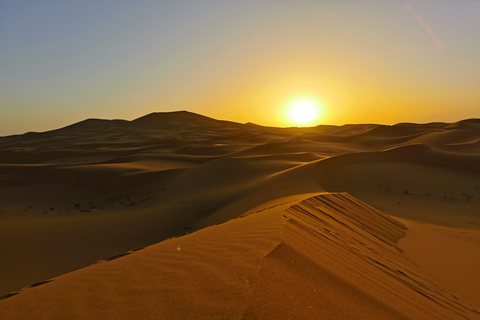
[240, 221]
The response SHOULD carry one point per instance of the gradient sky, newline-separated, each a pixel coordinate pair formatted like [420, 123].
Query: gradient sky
[368, 61]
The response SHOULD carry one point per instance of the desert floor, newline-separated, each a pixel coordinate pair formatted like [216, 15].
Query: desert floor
[180, 216]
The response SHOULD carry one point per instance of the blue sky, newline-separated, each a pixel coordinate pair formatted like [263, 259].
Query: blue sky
[366, 60]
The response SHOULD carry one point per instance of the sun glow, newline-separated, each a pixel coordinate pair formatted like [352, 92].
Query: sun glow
[303, 111]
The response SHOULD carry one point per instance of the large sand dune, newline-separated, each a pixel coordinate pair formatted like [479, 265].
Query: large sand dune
[101, 188]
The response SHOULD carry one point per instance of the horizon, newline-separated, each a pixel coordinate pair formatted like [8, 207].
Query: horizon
[356, 62]
[248, 122]
[226, 159]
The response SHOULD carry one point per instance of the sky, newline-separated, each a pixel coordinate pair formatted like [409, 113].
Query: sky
[363, 61]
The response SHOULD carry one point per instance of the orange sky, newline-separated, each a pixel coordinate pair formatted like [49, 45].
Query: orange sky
[367, 61]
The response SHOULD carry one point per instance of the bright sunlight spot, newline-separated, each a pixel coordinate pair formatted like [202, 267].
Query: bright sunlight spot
[303, 112]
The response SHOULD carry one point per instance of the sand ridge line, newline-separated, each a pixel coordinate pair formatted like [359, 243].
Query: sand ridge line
[366, 238]
[30, 286]
[313, 258]
[120, 255]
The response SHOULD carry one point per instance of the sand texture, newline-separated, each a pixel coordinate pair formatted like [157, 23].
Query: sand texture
[181, 216]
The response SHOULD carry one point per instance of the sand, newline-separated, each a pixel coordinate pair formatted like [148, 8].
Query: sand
[240, 221]
[450, 255]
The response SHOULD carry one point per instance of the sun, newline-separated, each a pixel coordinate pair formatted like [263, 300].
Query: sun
[303, 111]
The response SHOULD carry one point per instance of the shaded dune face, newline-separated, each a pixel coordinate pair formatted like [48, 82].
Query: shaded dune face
[417, 182]
[102, 188]
[329, 256]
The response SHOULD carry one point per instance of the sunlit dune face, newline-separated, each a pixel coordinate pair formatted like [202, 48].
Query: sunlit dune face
[303, 112]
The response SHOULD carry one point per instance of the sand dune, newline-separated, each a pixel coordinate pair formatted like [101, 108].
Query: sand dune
[298, 263]
[416, 182]
[101, 188]
[448, 254]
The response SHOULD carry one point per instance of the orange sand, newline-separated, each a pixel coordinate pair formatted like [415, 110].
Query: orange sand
[265, 232]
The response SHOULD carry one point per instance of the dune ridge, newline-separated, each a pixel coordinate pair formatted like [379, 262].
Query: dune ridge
[307, 260]
[98, 189]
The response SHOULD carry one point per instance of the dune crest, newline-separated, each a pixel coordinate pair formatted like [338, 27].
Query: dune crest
[329, 255]
[100, 189]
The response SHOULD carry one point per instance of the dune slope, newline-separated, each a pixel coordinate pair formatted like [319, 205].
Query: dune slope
[99, 188]
[329, 256]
